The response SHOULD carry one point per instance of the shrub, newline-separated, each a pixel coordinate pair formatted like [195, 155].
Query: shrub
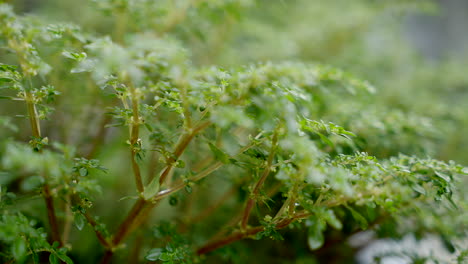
[165, 160]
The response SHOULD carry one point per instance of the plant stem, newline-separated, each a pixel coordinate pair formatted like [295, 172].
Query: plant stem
[74, 199]
[107, 257]
[252, 200]
[127, 224]
[124, 229]
[289, 203]
[36, 132]
[32, 113]
[142, 208]
[68, 220]
[180, 185]
[102, 239]
[51, 214]
[241, 234]
[185, 104]
[134, 141]
[180, 148]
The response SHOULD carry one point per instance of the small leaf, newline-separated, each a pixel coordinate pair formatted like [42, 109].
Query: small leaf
[442, 176]
[74, 55]
[151, 189]
[35, 257]
[332, 220]
[180, 164]
[418, 188]
[65, 258]
[315, 240]
[153, 254]
[219, 154]
[53, 259]
[18, 249]
[173, 200]
[325, 139]
[83, 171]
[79, 220]
[7, 68]
[56, 244]
[358, 217]
[165, 257]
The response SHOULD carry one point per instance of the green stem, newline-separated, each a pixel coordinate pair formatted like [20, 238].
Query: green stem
[252, 200]
[180, 148]
[36, 132]
[241, 234]
[33, 120]
[102, 239]
[134, 140]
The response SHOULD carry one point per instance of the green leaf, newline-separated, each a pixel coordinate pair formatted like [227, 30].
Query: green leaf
[332, 220]
[418, 188]
[219, 154]
[173, 200]
[35, 257]
[362, 222]
[165, 257]
[83, 171]
[153, 254]
[180, 164]
[325, 139]
[79, 220]
[151, 189]
[18, 248]
[315, 238]
[7, 68]
[65, 258]
[53, 259]
[74, 55]
[442, 176]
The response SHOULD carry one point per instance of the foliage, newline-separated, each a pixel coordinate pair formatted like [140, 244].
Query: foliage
[296, 152]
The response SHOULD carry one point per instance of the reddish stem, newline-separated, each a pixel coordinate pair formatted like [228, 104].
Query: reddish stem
[251, 202]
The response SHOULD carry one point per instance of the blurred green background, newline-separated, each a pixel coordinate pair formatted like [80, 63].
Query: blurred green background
[414, 53]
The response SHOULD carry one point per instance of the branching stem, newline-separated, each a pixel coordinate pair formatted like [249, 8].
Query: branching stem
[241, 234]
[36, 132]
[180, 148]
[252, 200]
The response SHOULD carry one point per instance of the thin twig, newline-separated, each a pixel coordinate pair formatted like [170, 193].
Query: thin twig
[102, 239]
[134, 141]
[75, 200]
[252, 200]
[68, 220]
[180, 148]
[241, 234]
[51, 214]
[36, 131]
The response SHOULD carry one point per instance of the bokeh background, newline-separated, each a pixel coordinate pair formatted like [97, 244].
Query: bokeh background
[415, 53]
